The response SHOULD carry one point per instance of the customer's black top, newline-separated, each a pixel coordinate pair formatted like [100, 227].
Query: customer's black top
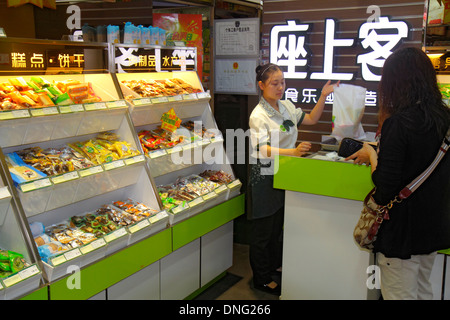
[421, 223]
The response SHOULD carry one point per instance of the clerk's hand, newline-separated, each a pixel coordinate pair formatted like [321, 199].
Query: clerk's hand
[302, 148]
[329, 88]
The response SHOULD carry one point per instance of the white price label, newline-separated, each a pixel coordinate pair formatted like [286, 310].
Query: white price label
[180, 208]
[116, 104]
[71, 108]
[65, 177]
[234, 184]
[159, 216]
[140, 102]
[209, 196]
[114, 164]
[157, 153]
[93, 245]
[20, 114]
[90, 171]
[72, 254]
[221, 189]
[41, 183]
[196, 202]
[119, 233]
[175, 98]
[139, 226]
[95, 106]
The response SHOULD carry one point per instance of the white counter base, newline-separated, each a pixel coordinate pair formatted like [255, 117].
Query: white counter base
[320, 259]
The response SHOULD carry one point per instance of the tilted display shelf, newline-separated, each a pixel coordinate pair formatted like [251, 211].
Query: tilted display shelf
[25, 126]
[29, 278]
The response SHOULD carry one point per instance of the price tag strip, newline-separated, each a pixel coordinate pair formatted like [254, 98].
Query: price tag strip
[180, 208]
[66, 256]
[139, 226]
[159, 216]
[21, 275]
[135, 159]
[46, 111]
[94, 245]
[14, 114]
[116, 234]
[34, 185]
[90, 171]
[116, 104]
[113, 164]
[65, 177]
[95, 106]
[143, 101]
[71, 108]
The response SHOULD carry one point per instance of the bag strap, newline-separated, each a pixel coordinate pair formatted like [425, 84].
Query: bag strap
[410, 188]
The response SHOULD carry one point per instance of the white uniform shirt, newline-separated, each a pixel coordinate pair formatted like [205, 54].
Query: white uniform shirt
[266, 126]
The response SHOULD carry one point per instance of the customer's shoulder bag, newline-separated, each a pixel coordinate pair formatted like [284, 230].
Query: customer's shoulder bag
[372, 214]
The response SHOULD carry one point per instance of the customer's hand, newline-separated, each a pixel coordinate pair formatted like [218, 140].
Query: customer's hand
[363, 155]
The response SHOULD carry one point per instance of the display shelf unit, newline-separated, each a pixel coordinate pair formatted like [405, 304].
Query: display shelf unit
[54, 199]
[197, 154]
[114, 261]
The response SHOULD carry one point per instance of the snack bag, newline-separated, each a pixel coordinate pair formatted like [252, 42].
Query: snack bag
[348, 110]
[20, 171]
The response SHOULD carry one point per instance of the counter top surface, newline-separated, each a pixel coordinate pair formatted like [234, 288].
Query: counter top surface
[323, 177]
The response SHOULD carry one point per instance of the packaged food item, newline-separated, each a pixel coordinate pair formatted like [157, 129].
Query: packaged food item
[20, 171]
[19, 83]
[54, 161]
[39, 82]
[37, 228]
[11, 262]
[51, 249]
[218, 176]
[42, 239]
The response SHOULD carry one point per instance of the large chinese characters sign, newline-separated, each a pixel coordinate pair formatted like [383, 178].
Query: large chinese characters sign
[377, 38]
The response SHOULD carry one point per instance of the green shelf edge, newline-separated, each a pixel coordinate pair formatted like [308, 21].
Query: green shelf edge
[112, 269]
[196, 226]
[322, 177]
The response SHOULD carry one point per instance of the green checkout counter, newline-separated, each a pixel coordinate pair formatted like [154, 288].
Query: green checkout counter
[323, 202]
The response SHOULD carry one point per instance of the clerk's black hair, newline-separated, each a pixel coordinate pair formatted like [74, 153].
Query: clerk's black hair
[263, 72]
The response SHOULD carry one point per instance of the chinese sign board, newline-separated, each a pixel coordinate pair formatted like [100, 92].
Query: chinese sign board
[23, 60]
[289, 49]
[141, 59]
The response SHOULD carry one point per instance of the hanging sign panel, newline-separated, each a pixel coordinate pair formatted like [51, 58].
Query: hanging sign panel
[24, 60]
[141, 59]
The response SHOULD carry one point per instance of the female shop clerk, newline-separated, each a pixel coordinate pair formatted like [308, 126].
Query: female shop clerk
[273, 130]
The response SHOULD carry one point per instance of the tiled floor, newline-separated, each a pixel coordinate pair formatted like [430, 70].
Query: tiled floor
[242, 290]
